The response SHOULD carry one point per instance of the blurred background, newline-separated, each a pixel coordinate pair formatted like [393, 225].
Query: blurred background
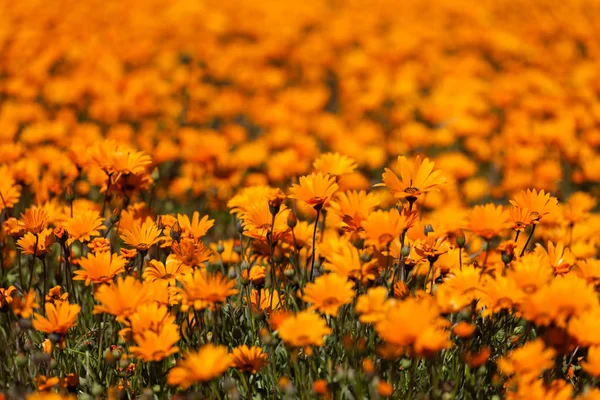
[232, 93]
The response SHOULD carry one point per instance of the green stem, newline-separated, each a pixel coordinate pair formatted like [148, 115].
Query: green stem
[314, 244]
[528, 240]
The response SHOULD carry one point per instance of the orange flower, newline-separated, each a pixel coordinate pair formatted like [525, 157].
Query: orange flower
[59, 318]
[487, 221]
[385, 389]
[529, 361]
[559, 300]
[35, 220]
[477, 359]
[269, 301]
[100, 267]
[55, 296]
[464, 329]
[84, 225]
[258, 274]
[117, 160]
[381, 227]
[320, 386]
[353, 208]
[200, 289]
[6, 295]
[347, 262]
[538, 204]
[592, 363]
[207, 363]
[335, 164]
[559, 257]
[10, 193]
[249, 359]
[258, 222]
[142, 236]
[121, 298]
[372, 307]
[585, 328]
[315, 190]
[24, 306]
[169, 271]
[38, 245]
[197, 227]
[155, 345]
[328, 293]
[304, 329]
[415, 322]
[416, 178]
[190, 252]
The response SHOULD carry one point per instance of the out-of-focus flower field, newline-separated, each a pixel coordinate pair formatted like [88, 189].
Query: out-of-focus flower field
[337, 199]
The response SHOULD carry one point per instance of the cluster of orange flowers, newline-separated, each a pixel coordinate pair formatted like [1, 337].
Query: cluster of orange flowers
[229, 198]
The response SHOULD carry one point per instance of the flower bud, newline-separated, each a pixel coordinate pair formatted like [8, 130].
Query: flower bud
[25, 324]
[405, 250]
[292, 221]
[176, 232]
[220, 247]
[460, 239]
[21, 360]
[427, 229]
[115, 216]
[506, 257]
[97, 389]
[239, 224]
[258, 275]
[54, 338]
[232, 273]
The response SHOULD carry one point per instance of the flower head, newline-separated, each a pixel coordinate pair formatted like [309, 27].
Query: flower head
[537, 204]
[335, 164]
[84, 225]
[315, 190]
[249, 359]
[121, 298]
[328, 293]
[59, 318]
[100, 267]
[142, 236]
[416, 178]
[207, 363]
[201, 288]
[38, 245]
[35, 220]
[488, 220]
[304, 329]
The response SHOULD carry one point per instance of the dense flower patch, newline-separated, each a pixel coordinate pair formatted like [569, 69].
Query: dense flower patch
[320, 199]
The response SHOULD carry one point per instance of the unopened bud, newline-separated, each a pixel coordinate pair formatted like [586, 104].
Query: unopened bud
[245, 265]
[239, 224]
[21, 360]
[25, 324]
[97, 389]
[292, 221]
[176, 232]
[54, 338]
[427, 229]
[220, 247]
[115, 216]
[506, 257]
[460, 239]
[405, 251]
[232, 273]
